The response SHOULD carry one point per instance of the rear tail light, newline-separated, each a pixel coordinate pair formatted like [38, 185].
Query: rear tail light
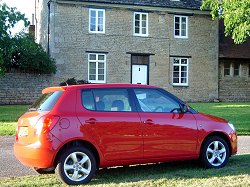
[45, 124]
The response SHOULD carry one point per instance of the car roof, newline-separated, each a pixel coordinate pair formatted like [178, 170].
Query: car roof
[113, 85]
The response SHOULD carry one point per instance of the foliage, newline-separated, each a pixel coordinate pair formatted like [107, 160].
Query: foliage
[73, 81]
[236, 16]
[20, 52]
[8, 18]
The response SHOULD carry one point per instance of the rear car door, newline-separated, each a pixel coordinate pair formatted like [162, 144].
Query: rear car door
[110, 118]
[167, 132]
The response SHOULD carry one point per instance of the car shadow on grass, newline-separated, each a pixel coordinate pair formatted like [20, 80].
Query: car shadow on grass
[238, 164]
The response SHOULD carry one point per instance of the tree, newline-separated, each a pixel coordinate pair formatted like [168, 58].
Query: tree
[236, 16]
[20, 51]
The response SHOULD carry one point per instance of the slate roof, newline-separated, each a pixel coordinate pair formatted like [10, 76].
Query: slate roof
[228, 49]
[184, 4]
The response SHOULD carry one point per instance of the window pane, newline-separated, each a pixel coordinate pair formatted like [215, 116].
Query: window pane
[176, 61]
[176, 68]
[101, 77]
[101, 57]
[177, 20]
[92, 57]
[183, 20]
[183, 68]
[100, 71]
[88, 100]
[100, 21]
[183, 61]
[137, 16]
[236, 69]
[144, 17]
[92, 65]
[137, 23]
[183, 32]
[112, 99]
[137, 30]
[144, 23]
[226, 69]
[92, 77]
[100, 14]
[152, 100]
[144, 31]
[92, 71]
[93, 13]
[176, 74]
[183, 80]
[100, 27]
[176, 80]
[184, 74]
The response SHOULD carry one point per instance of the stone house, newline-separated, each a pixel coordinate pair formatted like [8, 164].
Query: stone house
[234, 69]
[167, 43]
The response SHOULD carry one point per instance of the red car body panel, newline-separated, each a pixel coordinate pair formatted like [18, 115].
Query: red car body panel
[120, 138]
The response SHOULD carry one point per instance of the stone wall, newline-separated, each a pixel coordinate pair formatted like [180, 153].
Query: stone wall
[234, 88]
[19, 88]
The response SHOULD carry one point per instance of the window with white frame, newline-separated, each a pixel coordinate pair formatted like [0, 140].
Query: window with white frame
[96, 20]
[140, 24]
[180, 26]
[180, 71]
[96, 68]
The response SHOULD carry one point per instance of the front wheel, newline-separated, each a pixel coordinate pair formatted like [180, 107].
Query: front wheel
[76, 166]
[214, 153]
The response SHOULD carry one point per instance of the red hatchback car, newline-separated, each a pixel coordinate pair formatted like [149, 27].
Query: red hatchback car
[77, 129]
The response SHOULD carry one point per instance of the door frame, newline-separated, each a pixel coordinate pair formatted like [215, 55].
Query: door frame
[147, 64]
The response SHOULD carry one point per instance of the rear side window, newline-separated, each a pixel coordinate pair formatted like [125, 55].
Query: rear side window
[46, 102]
[106, 100]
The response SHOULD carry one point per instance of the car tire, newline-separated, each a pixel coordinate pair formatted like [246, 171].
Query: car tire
[43, 171]
[214, 152]
[76, 166]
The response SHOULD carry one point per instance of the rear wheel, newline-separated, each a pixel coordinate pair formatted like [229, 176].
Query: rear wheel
[214, 153]
[76, 166]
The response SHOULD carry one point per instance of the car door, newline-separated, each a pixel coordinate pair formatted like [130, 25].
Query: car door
[167, 132]
[109, 116]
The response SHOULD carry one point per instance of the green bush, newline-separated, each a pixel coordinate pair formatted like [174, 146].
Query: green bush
[27, 56]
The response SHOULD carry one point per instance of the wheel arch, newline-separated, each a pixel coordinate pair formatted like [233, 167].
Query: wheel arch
[219, 134]
[79, 142]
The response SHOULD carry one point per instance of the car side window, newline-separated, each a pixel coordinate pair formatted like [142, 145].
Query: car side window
[88, 100]
[153, 100]
[110, 100]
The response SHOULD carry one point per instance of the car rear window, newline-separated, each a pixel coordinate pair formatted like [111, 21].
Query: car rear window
[46, 102]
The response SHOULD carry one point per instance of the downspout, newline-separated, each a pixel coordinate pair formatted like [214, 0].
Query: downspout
[48, 26]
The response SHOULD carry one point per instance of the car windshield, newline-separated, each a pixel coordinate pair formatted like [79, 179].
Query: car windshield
[46, 102]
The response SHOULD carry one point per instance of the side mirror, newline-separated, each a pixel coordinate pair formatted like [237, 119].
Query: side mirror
[185, 108]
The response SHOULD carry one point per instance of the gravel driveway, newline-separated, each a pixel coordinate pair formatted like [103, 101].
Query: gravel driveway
[11, 167]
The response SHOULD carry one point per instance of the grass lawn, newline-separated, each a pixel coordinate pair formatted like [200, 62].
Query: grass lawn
[9, 115]
[237, 113]
[189, 173]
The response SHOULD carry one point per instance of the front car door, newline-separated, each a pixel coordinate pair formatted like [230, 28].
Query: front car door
[110, 118]
[167, 132]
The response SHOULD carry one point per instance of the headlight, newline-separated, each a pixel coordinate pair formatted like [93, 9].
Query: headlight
[232, 126]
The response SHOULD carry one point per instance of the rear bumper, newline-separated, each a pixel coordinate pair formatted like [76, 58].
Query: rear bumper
[40, 155]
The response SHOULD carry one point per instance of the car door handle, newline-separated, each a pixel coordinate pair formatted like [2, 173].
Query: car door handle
[148, 121]
[91, 121]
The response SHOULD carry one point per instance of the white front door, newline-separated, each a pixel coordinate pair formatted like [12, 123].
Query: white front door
[139, 74]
